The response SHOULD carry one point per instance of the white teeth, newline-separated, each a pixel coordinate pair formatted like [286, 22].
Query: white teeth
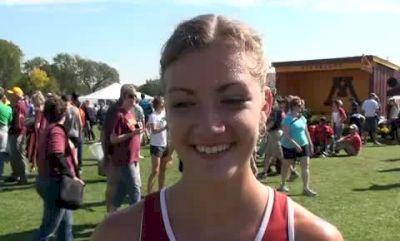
[212, 149]
[201, 149]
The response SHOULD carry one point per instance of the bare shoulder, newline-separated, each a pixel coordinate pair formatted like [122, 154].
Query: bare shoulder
[309, 227]
[124, 225]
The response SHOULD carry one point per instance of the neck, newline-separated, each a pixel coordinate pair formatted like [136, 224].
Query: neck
[218, 201]
[126, 107]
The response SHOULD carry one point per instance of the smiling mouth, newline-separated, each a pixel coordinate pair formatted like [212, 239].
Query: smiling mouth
[216, 149]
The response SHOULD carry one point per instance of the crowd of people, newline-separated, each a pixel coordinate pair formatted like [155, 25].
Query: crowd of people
[216, 106]
[44, 135]
[293, 135]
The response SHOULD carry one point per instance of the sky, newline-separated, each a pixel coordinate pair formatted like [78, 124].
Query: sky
[129, 34]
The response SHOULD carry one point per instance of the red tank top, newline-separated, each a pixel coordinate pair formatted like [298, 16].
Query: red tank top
[153, 227]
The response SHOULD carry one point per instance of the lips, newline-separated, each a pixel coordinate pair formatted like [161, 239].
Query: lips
[215, 149]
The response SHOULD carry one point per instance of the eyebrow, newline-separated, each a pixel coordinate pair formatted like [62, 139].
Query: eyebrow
[220, 89]
[227, 86]
[178, 89]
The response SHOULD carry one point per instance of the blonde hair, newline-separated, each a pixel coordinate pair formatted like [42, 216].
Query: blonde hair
[38, 98]
[202, 31]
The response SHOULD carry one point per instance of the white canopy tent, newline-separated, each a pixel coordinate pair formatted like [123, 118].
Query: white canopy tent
[110, 92]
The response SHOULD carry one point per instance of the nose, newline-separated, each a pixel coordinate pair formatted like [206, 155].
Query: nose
[210, 121]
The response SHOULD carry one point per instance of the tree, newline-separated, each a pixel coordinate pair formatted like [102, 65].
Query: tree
[37, 79]
[152, 87]
[10, 63]
[79, 75]
[95, 75]
[65, 71]
[37, 62]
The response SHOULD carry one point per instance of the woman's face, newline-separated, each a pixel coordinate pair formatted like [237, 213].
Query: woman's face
[213, 107]
[296, 108]
[38, 104]
[129, 99]
[334, 106]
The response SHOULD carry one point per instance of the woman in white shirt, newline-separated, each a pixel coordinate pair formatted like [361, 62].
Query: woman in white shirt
[158, 144]
[338, 118]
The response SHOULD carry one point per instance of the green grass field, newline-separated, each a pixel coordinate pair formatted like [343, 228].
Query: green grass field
[360, 195]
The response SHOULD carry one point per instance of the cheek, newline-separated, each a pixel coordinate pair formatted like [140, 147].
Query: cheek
[246, 124]
[177, 126]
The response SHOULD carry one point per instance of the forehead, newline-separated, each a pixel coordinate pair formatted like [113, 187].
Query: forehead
[129, 92]
[217, 63]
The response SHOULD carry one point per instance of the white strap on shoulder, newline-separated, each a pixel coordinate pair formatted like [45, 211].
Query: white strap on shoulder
[290, 219]
[165, 216]
[141, 224]
[261, 230]
[267, 215]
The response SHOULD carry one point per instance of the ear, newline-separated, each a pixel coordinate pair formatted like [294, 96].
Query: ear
[267, 102]
[266, 108]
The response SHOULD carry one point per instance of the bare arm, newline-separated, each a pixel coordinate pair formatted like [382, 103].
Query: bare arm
[122, 226]
[309, 227]
[157, 130]
[308, 137]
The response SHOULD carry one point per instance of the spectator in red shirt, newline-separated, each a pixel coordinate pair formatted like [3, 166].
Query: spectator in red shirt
[56, 159]
[38, 126]
[17, 135]
[124, 174]
[323, 137]
[351, 143]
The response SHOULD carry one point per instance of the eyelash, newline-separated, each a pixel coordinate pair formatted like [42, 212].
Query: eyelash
[180, 105]
[228, 101]
[234, 101]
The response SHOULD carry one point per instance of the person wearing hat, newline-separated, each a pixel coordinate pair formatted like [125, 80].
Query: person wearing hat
[350, 143]
[17, 135]
[5, 121]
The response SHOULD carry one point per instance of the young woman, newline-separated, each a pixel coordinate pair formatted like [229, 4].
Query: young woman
[158, 144]
[338, 118]
[213, 71]
[296, 144]
[124, 173]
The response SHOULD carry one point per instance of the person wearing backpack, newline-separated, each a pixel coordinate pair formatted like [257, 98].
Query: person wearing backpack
[273, 150]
